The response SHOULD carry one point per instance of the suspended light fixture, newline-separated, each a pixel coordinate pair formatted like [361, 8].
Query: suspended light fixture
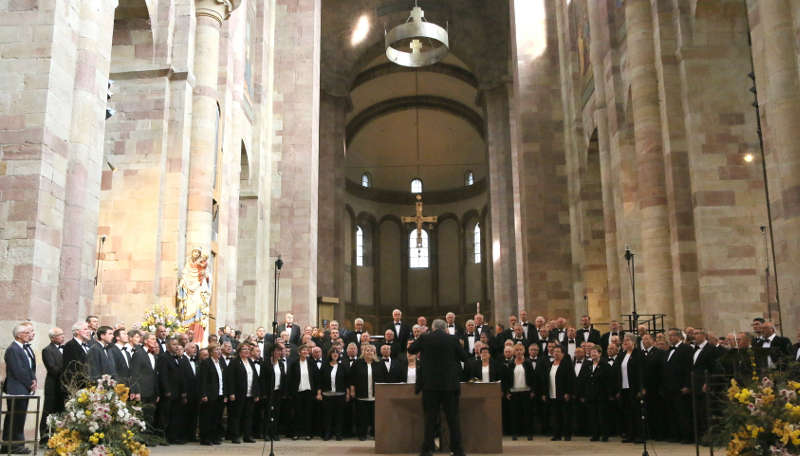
[428, 42]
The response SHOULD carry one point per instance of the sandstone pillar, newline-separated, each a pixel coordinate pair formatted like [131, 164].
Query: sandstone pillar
[501, 193]
[295, 154]
[205, 138]
[782, 111]
[330, 259]
[654, 257]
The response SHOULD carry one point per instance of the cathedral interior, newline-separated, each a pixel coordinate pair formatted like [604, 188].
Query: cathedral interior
[554, 136]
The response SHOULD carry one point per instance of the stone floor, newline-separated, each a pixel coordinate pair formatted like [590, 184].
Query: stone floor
[538, 447]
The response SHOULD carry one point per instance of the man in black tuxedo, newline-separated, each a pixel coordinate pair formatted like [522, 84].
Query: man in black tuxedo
[99, 359]
[76, 372]
[559, 333]
[390, 369]
[452, 328]
[191, 410]
[774, 350]
[587, 333]
[795, 352]
[144, 380]
[172, 387]
[676, 388]
[440, 375]
[94, 324]
[481, 326]
[704, 361]
[651, 381]
[292, 329]
[614, 330]
[469, 338]
[517, 336]
[121, 355]
[757, 339]
[527, 327]
[402, 332]
[53, 397]
[354, 336]
[394, 345]
[161, 337]
[20, 380]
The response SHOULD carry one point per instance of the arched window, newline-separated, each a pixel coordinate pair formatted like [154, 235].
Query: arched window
[469, 178]
[476, 243]
[359, 246]
[416, 185]
[366, 180]
[417, 255]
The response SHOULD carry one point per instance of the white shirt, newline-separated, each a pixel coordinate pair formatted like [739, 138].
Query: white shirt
[697, 352]
[578, 365]
[586, 333]
[191, 364]
[333, 378]
[276, 368]
[625, 383]
[671, 352]
[485, 374]
[768, 344]
[519, 378]
[471, 342]
[27, 356]
[451, 330]
[219, 374]
[152, 360]
[797, 355]
[258, 368]
[571, 346]
[249, 371]
[305, 379]
[525, 329]
[553, 372]
[370, 393]
[411, 377]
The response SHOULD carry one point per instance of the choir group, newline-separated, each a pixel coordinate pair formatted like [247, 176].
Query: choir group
[303, 382]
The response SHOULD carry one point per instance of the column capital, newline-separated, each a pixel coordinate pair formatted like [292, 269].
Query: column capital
[219, 10]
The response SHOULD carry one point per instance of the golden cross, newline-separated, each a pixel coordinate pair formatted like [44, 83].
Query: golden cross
[416, 46]
[419, 219]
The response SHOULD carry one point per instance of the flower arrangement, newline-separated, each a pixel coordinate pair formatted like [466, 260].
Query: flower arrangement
[161, 316]
[98, 421]
[763, 419]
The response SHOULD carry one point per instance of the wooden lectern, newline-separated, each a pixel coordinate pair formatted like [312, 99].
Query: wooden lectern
[400, 423]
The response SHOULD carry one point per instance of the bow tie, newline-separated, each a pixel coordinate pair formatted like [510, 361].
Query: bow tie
[124, 349]
[260, 341]
[471, 335]
[192, 359]
[60, 347]
[85, 345]
[578, 362]
[386, 360]
[572, 341]
[26, 346]
[451, 326]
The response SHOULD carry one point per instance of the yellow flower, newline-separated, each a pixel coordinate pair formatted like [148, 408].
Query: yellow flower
[744, 395]
[88, 413]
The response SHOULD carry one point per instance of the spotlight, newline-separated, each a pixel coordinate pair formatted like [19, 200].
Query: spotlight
[748, 158]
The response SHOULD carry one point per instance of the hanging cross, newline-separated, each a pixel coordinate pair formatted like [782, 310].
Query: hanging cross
[416, 46]
[419, 219]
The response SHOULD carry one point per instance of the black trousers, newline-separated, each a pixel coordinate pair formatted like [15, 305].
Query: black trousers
[349, 419]
[613, 414]
[654, 405]
[578, 417]
[272, 414]
[303, 412]
[596, 413]
[365, 417]
[541, 415]
[334, 407]
[432, 402]
[520, 413]
[240, 420]
[559, 417]
[16, 409]
[679, 411]
[149, 407]
[169, 418]
[631, 414]
[210, 417]
[259, 423]
[191, 412]
[53, 403]
[286, 411]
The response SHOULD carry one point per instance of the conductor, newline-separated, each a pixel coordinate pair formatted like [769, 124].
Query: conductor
[439, 378]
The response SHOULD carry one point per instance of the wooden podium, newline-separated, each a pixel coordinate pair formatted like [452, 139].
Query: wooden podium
[400, 423]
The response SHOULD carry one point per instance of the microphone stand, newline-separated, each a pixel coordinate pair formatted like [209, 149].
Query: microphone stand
[630, 258]
[278, 266]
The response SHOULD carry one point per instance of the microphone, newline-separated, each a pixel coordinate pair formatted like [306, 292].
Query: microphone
[279, 263]
[628, 253]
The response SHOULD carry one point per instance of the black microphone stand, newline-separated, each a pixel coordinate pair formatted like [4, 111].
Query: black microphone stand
[630, 258]
[278, 266]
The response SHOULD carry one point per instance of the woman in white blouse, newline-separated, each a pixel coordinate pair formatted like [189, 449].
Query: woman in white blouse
[519, 388]
[362, 388]
[560, 381]
[334, 392]
[411, 369]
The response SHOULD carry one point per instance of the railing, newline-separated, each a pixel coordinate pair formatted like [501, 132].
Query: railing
[12, 400]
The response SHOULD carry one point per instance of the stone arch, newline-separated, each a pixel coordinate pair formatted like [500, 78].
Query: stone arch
[244, 170]
[133, 42]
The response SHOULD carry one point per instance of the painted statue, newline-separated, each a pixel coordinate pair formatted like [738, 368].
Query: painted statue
[194, 293]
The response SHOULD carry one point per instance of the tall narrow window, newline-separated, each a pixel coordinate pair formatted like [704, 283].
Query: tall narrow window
[469, 178]
[476, 243]
[417, 255]
[366, 181]
[416, 185]
[359, 246]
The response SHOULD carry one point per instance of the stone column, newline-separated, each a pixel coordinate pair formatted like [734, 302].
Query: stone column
[782, 137]
[501, 192]
[295, 154]
[330, 259]
[654, 257]
[204, 136]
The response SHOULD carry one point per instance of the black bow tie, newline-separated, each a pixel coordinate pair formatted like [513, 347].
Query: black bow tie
[578, 362]
[85, 345]
[60, 347]
[260, 341]
[26, 346]
[572, 341]
[386, 360]
[471, 335]
[451, 326]
[192, 359]
[124, 349]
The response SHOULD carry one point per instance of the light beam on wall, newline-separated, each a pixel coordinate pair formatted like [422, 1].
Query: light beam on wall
[531, 28]
[496, 250]
[361, 30]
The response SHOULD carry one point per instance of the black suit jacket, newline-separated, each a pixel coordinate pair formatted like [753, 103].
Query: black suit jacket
[352, 337]
[677, 369]
[653, 369]
[54, 363]
[605, 338]
[395, 372]
[465, 339]
[120, 365]
[268, 378]
[190, 380]
[475, 369]
[483, 328]
[507, 381]
[294, 375]
[594, 336]
[403, 336]
[634, 370]
[596, 385]
[342, 378]
[235, 379]
[170, 376]
[705, 364]
[294, 335]
[443, 356]
[100, 362]
[565, 379]
[208, 379]
[74, 359]
[20, 370]
[358, 377]
[779, 351]
[144, 378]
